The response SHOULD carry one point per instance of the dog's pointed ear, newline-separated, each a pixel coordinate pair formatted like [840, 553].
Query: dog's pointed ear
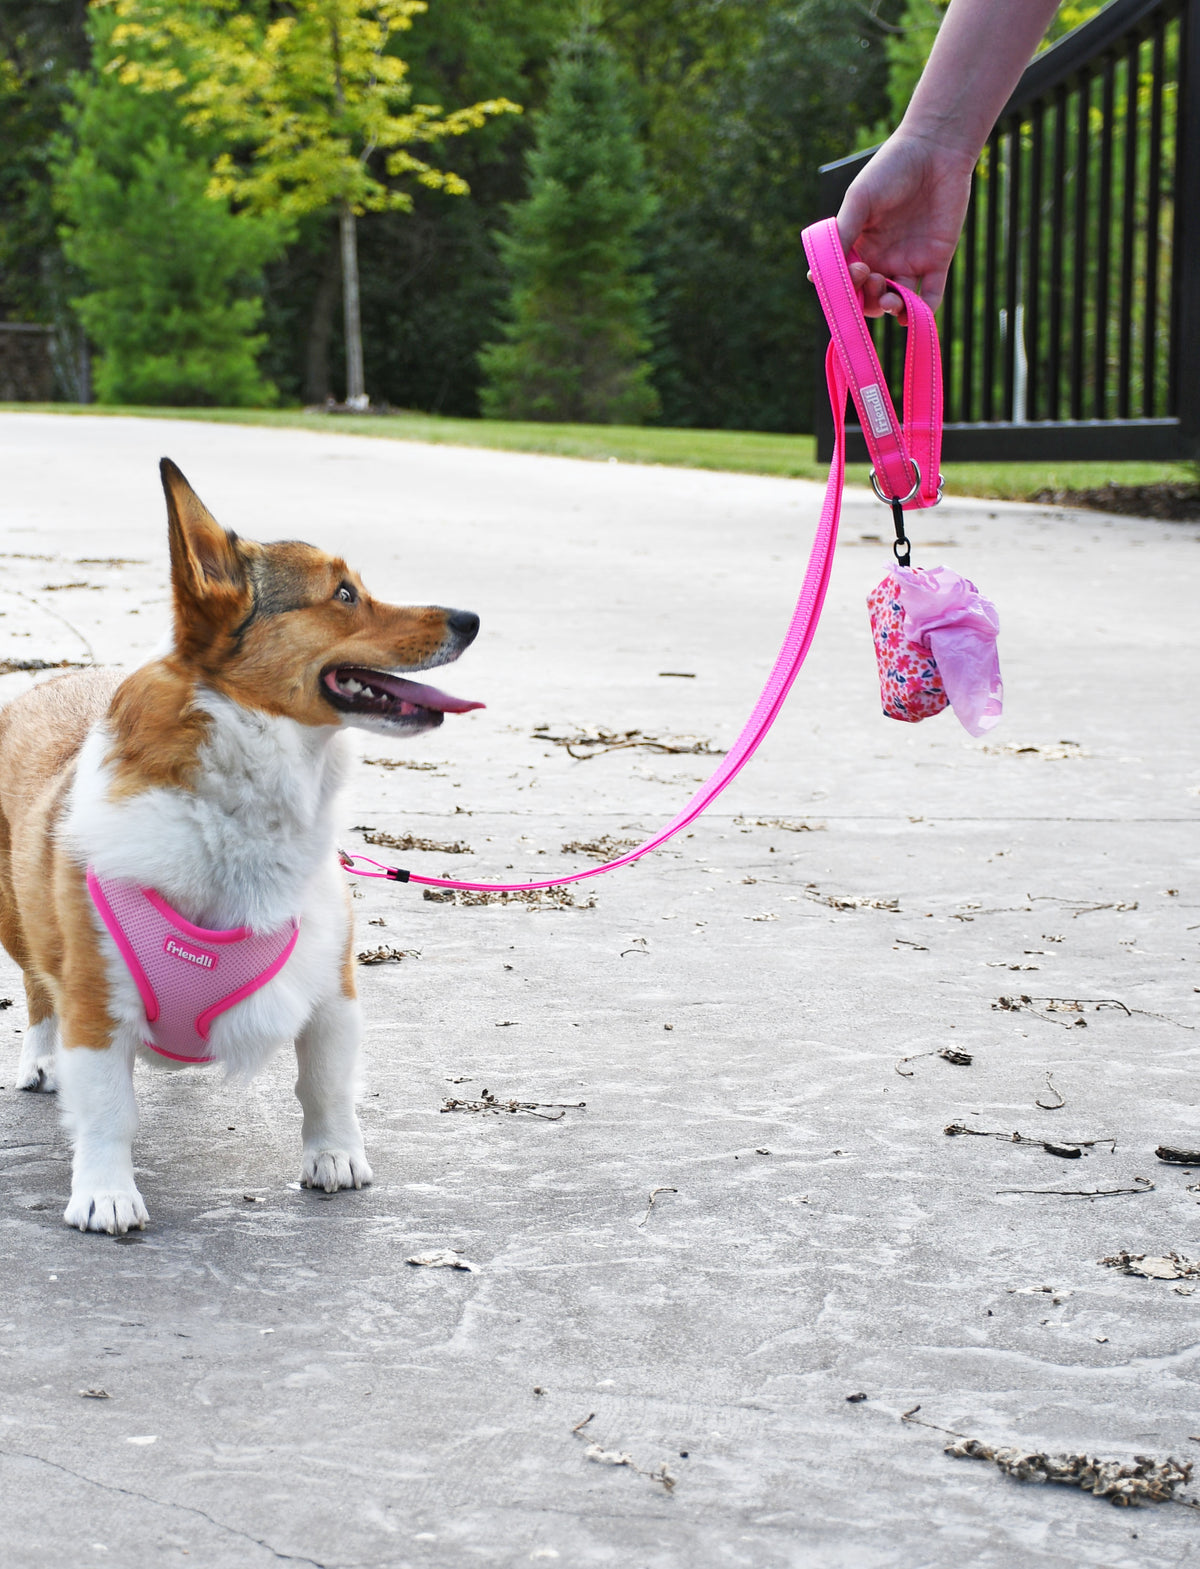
[204, 557]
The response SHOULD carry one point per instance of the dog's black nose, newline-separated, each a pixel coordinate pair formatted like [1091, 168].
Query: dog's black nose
[464, 624]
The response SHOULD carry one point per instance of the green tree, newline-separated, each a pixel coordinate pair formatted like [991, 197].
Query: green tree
[433, 284]
[578, 331]
[911, 39]
[171, 274]
[314, 96]
[740, 336]
[41, 43]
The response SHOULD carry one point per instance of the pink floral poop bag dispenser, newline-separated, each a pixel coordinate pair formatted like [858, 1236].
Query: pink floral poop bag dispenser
[935, 633]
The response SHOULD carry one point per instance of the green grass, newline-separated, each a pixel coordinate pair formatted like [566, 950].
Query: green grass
[733, 451]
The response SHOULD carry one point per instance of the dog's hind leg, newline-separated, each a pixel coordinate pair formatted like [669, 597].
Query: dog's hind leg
[35, 1071]
[327, 1054]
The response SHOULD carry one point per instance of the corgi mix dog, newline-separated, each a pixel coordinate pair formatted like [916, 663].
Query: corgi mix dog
[169, 882]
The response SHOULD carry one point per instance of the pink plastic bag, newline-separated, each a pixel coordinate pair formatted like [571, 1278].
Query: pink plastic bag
[935, 639]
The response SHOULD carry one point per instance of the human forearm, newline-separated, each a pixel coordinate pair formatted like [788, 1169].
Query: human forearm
[980, 51]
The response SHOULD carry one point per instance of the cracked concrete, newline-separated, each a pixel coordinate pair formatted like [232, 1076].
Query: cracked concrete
[284, 1387]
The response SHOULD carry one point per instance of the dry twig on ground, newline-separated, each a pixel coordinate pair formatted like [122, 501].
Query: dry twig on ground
[488, 1102]
[1144, 1185]
[618, 1457]
[954, 1129]
[596, 739]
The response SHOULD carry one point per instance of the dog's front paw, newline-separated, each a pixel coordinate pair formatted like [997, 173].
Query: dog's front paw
[333, 1169]
[115, 1213]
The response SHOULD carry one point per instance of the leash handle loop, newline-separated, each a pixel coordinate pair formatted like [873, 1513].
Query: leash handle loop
[906, 462]
[906, 458]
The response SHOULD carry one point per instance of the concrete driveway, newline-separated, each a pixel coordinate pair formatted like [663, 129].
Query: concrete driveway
[283, 1387]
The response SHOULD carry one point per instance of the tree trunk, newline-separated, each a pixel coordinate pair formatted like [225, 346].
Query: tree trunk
[316, 357]
[356, 396]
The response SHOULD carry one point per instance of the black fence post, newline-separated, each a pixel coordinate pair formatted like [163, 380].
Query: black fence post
[1103, 344]
[1185, 258]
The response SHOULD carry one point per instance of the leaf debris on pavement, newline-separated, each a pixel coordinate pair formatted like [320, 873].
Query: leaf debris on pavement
[1167, 1266]
[1077, 1006]
[790, 825]
[387, 955]
[443, 1258]
[556, 898]
[415, 842]
[10, 667]
[401, 762]
[961, 1059]
[604, 847]
[851, 901]
[1145, 1480]
[488, 1102]
[1056, 752]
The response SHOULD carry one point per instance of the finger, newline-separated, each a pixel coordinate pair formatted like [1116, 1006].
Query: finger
[859, 273]
[933, 286]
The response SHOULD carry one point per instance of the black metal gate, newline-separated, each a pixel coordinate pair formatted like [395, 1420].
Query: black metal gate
[1071, 322]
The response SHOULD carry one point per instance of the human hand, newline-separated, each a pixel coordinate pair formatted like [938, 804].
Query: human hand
[903, 214]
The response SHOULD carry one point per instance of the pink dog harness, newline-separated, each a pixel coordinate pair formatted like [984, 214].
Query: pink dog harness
[186, 974]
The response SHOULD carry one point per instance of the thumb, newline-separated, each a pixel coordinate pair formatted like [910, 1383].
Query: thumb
[852, 215]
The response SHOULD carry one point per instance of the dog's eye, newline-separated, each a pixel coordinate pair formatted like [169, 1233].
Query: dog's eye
[346, 595]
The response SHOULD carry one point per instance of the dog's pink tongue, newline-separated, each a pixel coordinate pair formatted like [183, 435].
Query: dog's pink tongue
[425, 696]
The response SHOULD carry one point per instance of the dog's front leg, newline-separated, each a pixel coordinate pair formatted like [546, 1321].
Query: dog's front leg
[327, 1054]
[96, 1090]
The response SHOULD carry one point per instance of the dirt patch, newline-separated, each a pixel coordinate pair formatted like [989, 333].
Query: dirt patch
[1176, 503]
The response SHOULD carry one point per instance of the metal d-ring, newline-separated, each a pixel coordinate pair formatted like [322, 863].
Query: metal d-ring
[903, 500]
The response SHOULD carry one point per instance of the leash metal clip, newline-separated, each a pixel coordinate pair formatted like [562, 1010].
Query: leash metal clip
[901, 501]
[901, 548]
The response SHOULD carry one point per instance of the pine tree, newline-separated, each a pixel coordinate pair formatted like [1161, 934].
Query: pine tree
[578, 328]
[172, 275]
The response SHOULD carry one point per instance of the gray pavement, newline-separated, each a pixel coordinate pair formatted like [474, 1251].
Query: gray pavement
[283, 1387]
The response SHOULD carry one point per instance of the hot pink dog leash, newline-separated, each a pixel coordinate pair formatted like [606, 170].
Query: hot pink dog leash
[906, 475]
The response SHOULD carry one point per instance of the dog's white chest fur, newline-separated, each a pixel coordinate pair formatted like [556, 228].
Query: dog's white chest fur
[250, 843]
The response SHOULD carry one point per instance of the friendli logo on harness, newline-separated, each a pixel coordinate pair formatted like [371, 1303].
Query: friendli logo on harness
[196, 956]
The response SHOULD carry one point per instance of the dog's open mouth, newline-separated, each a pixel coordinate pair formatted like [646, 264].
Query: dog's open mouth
[378, 693]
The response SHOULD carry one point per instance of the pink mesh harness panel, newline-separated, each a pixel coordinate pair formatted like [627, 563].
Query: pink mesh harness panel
[186, 974]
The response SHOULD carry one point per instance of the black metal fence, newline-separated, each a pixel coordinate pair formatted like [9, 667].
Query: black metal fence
[1071, 322]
